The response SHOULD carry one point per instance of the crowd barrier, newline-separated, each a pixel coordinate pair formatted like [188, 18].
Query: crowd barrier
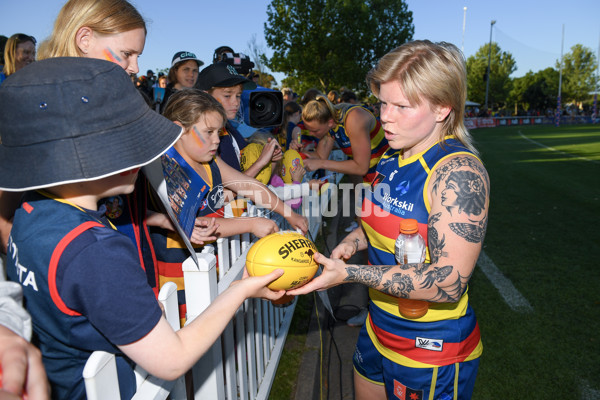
[243, 361]
[491, 122]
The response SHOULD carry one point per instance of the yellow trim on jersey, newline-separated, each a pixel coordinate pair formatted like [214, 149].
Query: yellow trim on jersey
[436, 312]
[434, 377]
[64, 201]
[408, 362]
[178, 281]
[174, 241]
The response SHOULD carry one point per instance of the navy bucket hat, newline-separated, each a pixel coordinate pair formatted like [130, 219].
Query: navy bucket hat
[68, 119]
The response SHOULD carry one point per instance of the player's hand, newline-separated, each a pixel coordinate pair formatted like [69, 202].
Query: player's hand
[334, 272]
[313, 164]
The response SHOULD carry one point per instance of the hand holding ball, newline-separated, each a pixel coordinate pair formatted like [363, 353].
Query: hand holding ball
[286, 250]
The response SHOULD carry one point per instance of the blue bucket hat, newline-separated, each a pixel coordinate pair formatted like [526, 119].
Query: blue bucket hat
[70, 119]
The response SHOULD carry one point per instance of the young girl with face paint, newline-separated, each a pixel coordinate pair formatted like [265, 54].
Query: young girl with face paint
[203, 118]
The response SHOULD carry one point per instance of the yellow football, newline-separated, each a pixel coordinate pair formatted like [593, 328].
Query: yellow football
[287, 250]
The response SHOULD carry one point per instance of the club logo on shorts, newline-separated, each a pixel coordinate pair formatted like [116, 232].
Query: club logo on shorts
[429, 344]
[405, 393]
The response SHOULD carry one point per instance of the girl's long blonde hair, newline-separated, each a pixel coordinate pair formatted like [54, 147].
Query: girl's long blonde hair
[321, 110]
[105, 17]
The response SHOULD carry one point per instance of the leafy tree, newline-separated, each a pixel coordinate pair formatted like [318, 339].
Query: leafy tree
[332, 43]
[578, 73]
[501, 67]
[536, 91]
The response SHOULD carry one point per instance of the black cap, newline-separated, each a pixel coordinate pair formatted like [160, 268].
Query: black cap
[222, 75]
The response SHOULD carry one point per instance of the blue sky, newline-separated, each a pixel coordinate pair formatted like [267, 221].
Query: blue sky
[530, 30]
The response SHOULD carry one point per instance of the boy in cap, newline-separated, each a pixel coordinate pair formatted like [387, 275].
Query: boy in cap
[222, 81]
[73, 131]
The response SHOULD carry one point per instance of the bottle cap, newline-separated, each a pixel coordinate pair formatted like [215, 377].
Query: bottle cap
[409, 225]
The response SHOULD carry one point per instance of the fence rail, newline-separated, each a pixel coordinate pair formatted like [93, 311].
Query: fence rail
[243, 361]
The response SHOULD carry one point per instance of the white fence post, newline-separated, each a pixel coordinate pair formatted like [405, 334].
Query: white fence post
[201, 289]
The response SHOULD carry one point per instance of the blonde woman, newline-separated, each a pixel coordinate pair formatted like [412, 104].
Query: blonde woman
[353, 128]
[19, 52]
[432, 174]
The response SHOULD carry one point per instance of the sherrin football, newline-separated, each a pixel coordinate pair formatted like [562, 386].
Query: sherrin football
[287, 250]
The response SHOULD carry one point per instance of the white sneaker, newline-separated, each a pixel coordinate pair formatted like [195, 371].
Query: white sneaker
[352, 226]
[359, 319]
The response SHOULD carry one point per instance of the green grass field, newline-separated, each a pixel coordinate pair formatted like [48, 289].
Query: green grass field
[543, 235]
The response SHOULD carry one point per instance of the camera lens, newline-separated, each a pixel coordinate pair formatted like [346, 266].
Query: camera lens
[266, 109]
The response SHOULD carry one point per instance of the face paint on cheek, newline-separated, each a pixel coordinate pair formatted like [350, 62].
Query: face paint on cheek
[201, 142]
[110, 55]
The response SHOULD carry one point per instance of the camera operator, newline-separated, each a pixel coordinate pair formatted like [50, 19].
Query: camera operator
[224, 83]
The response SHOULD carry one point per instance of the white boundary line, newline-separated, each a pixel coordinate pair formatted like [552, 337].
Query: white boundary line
[509, 293]
[587, 392]
[558, 151]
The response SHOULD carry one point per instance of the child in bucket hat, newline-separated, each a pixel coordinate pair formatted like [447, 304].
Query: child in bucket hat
[76, 130]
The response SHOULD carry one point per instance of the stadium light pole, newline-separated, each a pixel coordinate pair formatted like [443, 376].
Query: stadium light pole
[463, 33]
[487, 73]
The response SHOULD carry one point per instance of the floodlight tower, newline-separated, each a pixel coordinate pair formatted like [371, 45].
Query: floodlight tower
[463, 33]
[487, 74]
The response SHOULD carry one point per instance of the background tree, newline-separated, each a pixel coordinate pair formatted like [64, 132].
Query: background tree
[501, 67]
[332, 43]
[578, 73]
[257, 55]
[535, 91]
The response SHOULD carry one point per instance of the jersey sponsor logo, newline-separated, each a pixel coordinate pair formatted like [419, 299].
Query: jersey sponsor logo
[397, 205]
[405, 393]
[403, 187]
[429, 344]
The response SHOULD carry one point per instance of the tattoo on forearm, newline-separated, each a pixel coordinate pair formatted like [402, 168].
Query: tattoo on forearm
[436, 245]
[436, 275]
[399, 286]
[452, 292]
[368, 275]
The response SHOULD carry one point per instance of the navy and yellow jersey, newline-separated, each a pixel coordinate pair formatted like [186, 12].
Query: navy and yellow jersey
[379, 143]
[171, 251]
[307, 140]
[74, 268]
[398, 191]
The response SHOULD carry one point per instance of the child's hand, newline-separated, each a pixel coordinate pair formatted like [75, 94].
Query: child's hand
[262, 227]
[271, 152]
[257, 285]
[204, 230]
[315, 184]
[298, 174]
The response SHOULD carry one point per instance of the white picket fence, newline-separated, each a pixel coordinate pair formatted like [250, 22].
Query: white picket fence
[243, 362]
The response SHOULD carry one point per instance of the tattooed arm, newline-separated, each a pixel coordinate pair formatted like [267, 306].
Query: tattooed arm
[459, 199]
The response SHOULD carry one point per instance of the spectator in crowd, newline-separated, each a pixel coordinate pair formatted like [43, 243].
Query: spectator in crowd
[73, 298]
[288, 94]
[183, 74]
[222, 81]
[202, 118]
[422, 88]
[158, 91]
[348, 97]
[22, 367]
[356, 131]
[288, 133]
[333, 96]
[18, 52]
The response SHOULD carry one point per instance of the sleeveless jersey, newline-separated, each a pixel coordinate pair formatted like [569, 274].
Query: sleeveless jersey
[379, 143]
[171, 252]
[42, 231]
[398, 191]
